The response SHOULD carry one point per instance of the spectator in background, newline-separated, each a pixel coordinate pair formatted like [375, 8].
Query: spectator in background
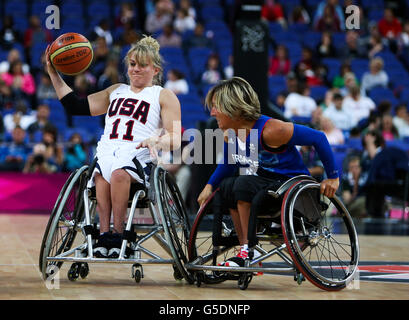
[350, 81]
[102, 30]
[36, 163]
[376, 77]
[169, 38]
[199, 39]
[333, 134]
[75, 154]
[19, 118]
[329, 20]
[352, 186]
[389, 26]
[353, 48]
[83, 87]
[35, 34]
[280, 64]
[388, 129]
[312, 162]
[45, 89]
[184, 22]
[309, 70]
[213, 72]
[325, 49]
[229, 69]
[299, 15]
[8, 34]
[6, 96]
[388, 166]
[335, 8]
[101, 54]
[14, 154]
[403, 38]
[110, 75]
[186, 5]
[161, 16]
[401, 120]
[356, 105]
[42, 121]
[126, 16]
[340, 118]
[176, 82]
[299, 103]
[22, 84]
[338, 81]
[375, 43]
[54, 152]
[272, 11]
[13, 56]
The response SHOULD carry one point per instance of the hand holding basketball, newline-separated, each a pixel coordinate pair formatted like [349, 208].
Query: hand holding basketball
[71, 54]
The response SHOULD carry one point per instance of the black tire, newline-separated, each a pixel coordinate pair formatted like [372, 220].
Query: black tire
[68, 208]
[201, 243]
[320, 236]
[175, 219]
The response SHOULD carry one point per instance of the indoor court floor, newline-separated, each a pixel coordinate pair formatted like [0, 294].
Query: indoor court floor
[383, 258]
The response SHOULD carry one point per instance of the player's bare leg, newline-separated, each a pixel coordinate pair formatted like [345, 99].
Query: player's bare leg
[104, 206]
[120, 186]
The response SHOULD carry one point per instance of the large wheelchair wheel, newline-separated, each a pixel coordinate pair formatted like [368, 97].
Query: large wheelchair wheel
[62, 225]
[320, 236]
[175, 220]
[201, 243]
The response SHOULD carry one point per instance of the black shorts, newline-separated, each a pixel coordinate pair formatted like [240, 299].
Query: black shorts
[245, 188]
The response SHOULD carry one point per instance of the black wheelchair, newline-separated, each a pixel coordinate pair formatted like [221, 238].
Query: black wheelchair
[311, 237]
[159, 211]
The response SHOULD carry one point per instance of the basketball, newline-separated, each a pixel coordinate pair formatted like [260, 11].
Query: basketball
[71, 53]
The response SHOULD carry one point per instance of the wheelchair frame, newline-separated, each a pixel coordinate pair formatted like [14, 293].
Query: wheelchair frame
[295, 264]
[82, 221]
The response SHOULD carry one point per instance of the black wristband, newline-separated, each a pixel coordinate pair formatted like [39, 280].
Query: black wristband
[74, 105]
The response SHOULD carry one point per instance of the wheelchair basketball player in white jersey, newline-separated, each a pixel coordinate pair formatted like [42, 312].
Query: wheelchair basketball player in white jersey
[135, 114]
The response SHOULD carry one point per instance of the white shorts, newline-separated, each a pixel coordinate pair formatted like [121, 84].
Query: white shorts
[111, 158]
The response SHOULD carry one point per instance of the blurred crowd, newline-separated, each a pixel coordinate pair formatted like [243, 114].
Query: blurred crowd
[342, 103]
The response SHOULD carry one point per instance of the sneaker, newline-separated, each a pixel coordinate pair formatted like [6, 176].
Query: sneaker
[238, 260]
[115, 247]
[102, 246]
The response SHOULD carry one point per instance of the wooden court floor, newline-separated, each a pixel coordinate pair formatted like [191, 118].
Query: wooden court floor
[21, 235]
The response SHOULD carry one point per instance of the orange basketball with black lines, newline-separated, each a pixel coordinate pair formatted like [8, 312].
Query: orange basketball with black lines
[71, 53]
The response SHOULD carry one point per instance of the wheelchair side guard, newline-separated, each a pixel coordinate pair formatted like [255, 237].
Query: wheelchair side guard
[286, 185]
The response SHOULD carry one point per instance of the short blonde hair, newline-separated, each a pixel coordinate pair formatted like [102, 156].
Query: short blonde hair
[145, 51]
[236, 98]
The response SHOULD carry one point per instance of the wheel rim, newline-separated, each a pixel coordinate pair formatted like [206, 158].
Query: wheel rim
[62, 230]
[328, 258]
[175, 218]
[201, 242]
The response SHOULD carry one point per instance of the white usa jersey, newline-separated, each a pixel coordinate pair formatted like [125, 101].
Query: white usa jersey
[132, 117]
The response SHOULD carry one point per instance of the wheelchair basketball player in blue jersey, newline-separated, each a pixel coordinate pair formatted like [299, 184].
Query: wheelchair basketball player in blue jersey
[236, 107]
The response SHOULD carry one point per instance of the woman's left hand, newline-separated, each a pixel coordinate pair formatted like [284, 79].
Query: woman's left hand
[329, 187]
[152, 144]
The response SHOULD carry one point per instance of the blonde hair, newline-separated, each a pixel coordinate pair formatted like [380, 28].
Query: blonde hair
[145, 51]
[236, 98]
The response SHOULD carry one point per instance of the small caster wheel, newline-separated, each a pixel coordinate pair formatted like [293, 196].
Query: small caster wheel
[84, 270]
[73, 272]
[137, 276]
[137, 272]
[244, 281]
[299, 277]
[198, 279]
[176, 274]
